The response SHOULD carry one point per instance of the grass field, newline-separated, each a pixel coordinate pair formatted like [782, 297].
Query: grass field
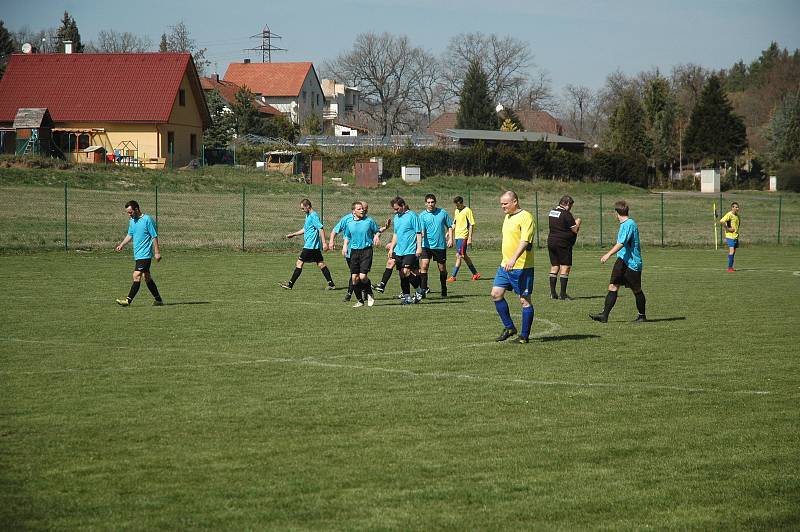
[241, 406]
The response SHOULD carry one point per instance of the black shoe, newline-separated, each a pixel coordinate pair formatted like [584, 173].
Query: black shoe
[347, 297]
[553, 296]
[641, 318]
[378, 288]
[519, 340]
[602, 318]
[565, 297]
[506, 334]
[444, 293]
[287, 286]
[331, 286]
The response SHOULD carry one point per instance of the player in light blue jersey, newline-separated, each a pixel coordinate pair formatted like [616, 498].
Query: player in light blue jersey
[142, 231]
[437, 236]
[406, 247]
[627, 269]
[339, 229]
[313, 245]
[360, 235]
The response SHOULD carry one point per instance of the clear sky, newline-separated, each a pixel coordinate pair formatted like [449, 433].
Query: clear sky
[575, 41]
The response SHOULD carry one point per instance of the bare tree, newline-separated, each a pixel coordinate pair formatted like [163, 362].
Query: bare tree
[427, 94]
[179, 40]
[44, 40]
[385, 68]
[536, 95]
[581, 112]
[110, 41]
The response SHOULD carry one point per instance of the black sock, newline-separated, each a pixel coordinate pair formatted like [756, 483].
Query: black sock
[611, 299]
[295, 274]
[553, 278]
[564, 281]
[405, 285]
[443, 280]
[327, 273]
[350, 286]
[151, 285]
[423, 281]
[134, 289]
[414, 280]
[387, 274]
[358, 291]
[471, 266]
[640, 303]
[367, 285]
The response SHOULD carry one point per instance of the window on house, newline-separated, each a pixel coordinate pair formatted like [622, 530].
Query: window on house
[170, 142]
[193, 144]
[83, 141]
[182, 98]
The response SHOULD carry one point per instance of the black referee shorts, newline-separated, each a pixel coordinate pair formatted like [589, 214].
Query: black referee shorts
[560, 253]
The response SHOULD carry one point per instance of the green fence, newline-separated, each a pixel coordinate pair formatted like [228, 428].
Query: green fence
[252, 218]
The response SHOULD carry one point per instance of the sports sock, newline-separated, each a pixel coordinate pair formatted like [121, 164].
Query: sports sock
[471, 266]
[443, 280]
[564, 281]
[134, 289]
[405, 286]
[387, 274]
[527, 321]
[327, 273]
[611, 299]
[295, 274]
[553, 278]
[366, 285]
[730, 261]
[151, 285]
[423, 280]
[640, 303]
[455, 271]
[350, 285]
[505, 316]
[414, 280]
[358, 291]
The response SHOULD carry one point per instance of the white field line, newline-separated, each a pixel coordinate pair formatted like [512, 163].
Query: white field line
[390, 371]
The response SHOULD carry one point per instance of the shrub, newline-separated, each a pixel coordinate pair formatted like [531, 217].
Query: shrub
[789, 176]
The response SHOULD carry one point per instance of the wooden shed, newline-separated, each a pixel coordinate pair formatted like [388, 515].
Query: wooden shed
[34, 131]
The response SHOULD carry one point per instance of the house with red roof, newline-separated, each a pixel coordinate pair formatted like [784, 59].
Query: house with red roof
[227, 90]
[141, 106]
[292, 88]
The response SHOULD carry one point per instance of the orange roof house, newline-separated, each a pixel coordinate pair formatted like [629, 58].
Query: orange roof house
[141, 105]
[227, 90]
[292, 88]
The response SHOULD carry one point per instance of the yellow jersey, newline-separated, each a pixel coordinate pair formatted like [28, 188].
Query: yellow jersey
[731, 223]
[518, 227]
[462, 220]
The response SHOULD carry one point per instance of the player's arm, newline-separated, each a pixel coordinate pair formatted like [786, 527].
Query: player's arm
[122, 244]
[618, 246]
[322, 239]
[330, 240]
[450, 236]
[156, 249]
[419, 244]
[469, 234]
[296, 233]
[577, 227]
[392, 244]
[345, 244]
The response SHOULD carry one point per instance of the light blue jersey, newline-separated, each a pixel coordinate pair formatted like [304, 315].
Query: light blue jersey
[631, 253]
[406, 226]
[360, 233]
[311, 231]
[340, 227]
[434, 226]
[143, 231]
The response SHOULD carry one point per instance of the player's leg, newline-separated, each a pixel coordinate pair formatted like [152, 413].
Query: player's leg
[326, 273]
[135, 285]
[633, 280]
[553, 276]
[298, 269]
[405, 284]
[461, 247]
[563, 277]
[151, 285]
[617, 280]
[475, 274]
[367, 287]
[501, 284]
[732, 245]
[523, 287]
[443, 273]
[423, 273]
[387, 274]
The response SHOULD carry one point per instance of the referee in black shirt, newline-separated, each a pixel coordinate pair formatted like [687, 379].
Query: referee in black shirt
[563, 233]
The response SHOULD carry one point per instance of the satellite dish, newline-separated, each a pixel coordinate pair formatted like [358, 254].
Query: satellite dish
[27, 48]
[499, 107]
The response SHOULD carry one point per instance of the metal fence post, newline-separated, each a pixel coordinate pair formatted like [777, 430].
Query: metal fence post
[243, 207]
[469, 197]
[601, 219]
[156, 206]
[780, 204]
[322, 203]
[66, 230]
[536, 199]
[721, 230]
[662, 219]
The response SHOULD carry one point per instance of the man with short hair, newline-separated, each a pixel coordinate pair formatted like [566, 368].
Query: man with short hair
[627, 269]
[406, 246]
[359, 237]
[437, 236]
[731, 223]
[313, 245]
[339, 228]
[516, 269]
[463, 225]
[562, 236]
[142, 231]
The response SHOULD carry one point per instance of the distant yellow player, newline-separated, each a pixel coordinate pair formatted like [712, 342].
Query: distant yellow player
[463, 225]
[731, 223]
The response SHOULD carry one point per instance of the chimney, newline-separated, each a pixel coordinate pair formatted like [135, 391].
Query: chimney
[216, 77]
[246, 61]
[67, 47]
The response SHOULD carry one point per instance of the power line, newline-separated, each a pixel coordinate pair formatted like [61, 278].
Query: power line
[266, 47]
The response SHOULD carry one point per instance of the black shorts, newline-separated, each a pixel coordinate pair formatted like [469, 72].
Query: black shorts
[360, 260]
[407, 261]
[311, 255]
[439, 255]
[560, 253]
[621, 275]
[142, 265]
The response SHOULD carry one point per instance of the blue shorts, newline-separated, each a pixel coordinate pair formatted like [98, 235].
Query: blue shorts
[520, 281]
[461, 246]
[732, 242]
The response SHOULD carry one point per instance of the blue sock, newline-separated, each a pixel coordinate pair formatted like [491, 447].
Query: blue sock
[455, 271]
[527, 321]
[505, 315]
[730, 261]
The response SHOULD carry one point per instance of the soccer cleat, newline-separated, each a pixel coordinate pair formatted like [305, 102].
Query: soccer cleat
[602, 318]
[519, 340]
[731, 270]
[418, 297]
[476, 276]
[358, 304]
[123, 302]
[507, 333]
[347, 297]
[566, 297]
[641, 318]
[451, 279]
[406, 300]
[287, 286]
[370, 300]
[331, 286]
[378, 288]
[444, 292]
[553, 296]
[158, 303]
[400, 296]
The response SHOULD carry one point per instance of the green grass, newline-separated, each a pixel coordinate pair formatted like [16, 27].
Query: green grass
[242, 406]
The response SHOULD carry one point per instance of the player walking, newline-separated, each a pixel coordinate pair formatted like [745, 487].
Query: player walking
[437, 228]
[359, 237]
[314, 243]
[142, 231]
[464, 224]
[406, 246]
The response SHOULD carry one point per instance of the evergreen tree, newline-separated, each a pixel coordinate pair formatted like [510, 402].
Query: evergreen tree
[223, 125]
[660, 113]
[476, 110]
[69, 32]
[626, 127]
[784, 130]
[163, 46]
[312, 125]
[245, 113]
[714, 132]
[7, 47]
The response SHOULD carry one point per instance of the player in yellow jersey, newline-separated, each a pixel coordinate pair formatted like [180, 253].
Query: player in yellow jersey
[463, 225]
[516, 269]
[731, 223]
